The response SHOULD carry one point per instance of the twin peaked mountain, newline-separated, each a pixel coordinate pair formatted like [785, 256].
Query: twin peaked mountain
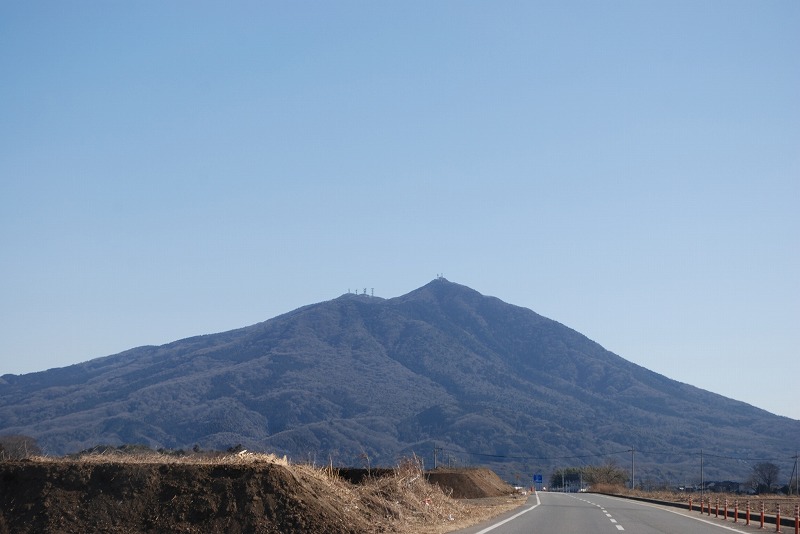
[363, 377]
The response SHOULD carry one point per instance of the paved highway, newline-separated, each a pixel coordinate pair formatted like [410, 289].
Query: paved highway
[578, 513]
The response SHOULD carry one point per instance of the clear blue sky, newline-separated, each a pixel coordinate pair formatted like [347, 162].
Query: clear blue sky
[628, 168]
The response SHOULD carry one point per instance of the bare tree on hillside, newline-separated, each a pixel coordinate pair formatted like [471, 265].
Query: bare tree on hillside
[17, 447]
[764, 476]
[608, 473]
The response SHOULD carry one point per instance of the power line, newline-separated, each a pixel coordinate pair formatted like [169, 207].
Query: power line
[509, 457]
[610, 453]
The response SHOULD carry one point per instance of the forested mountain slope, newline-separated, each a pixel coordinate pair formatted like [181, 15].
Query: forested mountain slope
[360, 377]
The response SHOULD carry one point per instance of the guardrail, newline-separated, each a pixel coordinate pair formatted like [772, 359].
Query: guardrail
[706, 504]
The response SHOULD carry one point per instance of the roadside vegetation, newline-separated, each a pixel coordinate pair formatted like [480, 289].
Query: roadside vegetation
[17, 447]
[297, 497]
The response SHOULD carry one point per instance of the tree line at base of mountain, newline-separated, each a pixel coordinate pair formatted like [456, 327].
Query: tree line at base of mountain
[764, 478]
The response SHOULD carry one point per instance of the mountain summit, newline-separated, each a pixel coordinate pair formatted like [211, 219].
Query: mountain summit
[362, 377]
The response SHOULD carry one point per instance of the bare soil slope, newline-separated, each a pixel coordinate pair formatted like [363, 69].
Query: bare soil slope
[475, 483]
[231, 496]
[123, 497]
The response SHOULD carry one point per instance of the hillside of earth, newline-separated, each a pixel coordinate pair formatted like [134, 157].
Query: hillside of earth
[359, 380]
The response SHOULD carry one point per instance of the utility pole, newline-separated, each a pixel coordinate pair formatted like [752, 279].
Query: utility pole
[633, 467]
[435, 450]
[702, 481]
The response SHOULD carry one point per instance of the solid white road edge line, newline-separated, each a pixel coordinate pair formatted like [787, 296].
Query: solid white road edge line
[504, 521]
[677, 513]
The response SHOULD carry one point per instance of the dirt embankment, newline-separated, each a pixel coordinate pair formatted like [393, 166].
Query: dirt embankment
[475, 483]
[235, 496]
[128, 498]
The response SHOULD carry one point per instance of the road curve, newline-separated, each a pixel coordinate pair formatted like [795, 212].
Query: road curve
[579, 513]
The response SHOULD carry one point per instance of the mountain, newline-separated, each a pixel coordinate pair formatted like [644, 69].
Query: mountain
[363, 379]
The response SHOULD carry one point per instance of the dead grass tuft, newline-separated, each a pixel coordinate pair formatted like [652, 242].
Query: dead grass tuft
[217, 458]
[405, 501]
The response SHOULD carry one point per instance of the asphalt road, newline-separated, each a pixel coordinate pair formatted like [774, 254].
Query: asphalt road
[578, 513]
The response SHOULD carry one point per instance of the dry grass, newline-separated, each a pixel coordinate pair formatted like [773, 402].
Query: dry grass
[403, 501]
[154, 457]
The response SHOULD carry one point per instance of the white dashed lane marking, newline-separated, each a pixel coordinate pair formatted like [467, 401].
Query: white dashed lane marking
[610, 518]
